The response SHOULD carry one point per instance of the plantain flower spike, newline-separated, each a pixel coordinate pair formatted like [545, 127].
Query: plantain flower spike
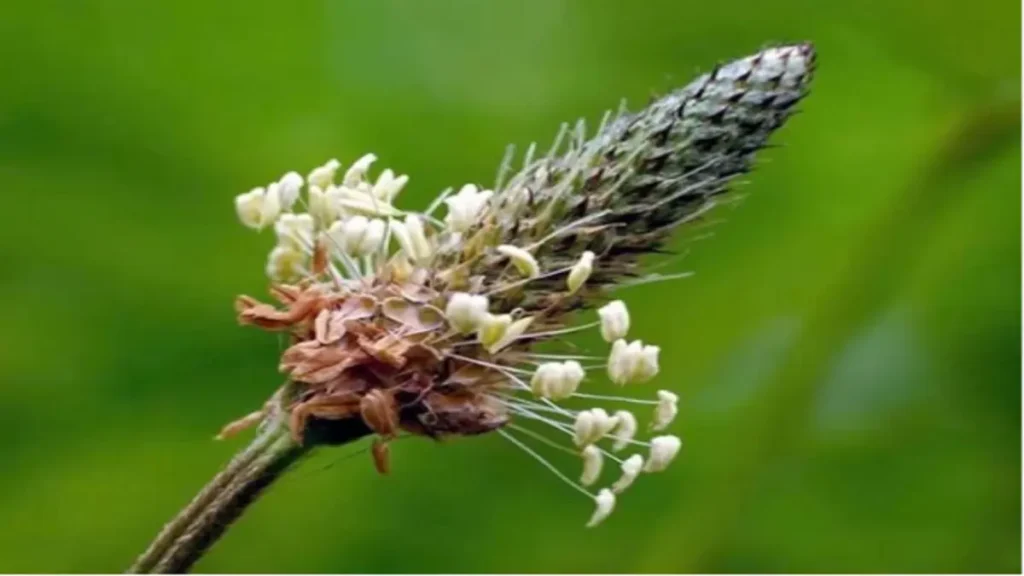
[400, 321]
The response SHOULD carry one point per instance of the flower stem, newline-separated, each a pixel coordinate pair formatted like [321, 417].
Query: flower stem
[191, 533]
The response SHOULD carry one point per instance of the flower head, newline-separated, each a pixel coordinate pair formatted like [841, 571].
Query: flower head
[403, 323]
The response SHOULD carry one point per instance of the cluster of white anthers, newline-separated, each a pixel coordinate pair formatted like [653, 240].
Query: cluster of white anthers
[357, 219]
[560, 377]
[348, 214]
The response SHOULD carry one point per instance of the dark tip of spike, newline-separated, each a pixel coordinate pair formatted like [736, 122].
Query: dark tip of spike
[807, 50]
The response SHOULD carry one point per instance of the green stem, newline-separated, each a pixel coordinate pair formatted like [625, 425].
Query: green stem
[187, 537]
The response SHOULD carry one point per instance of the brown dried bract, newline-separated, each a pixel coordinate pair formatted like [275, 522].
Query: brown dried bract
[301, 306]
[314, 363]
[367, 355]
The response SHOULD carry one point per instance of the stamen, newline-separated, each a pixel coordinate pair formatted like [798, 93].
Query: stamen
[486, 364]
[523, 281]
[569, 330]
[571, 225]
[512, 401]
[562, 356]
[545, 463]
[615, 398]
[650, 279]
[544, 439]
[437, 201]
[527, 413]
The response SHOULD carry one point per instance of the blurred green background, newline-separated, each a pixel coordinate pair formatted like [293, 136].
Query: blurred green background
[848, 353]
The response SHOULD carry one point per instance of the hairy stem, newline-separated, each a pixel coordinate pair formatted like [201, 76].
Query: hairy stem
[198, 526]
[187, 537]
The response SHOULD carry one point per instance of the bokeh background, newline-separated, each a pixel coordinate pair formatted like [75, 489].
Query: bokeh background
[848, 352]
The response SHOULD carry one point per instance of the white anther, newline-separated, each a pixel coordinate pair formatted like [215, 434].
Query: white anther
[631, 468]
[663, 451]
[665, 411]
[357, 235]
[349, 200]
[289, 187]
[580, 272]
[412, 238]
[521, 259]
[464, 207]
[323, 176]
[572, 375]
[614, 320]
[605, 501]
[625, 431]
[295, 231]
[584, 429]
[605, 423]
[647, 364]
[511, 334]
[465, 312]
[592, 425]
[548, 377]
[492, 328]
[285, 264]
[357, 172]
[320, 206]
[388, 186]
[593, 460]
[258, 207]
[557, 380]
[632, 363]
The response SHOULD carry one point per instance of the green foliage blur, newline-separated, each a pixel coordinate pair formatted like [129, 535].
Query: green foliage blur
[847, 354]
